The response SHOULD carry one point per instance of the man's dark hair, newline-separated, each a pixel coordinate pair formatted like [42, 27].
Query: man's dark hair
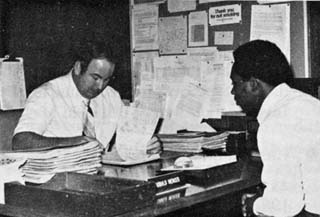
[88, 50]
[262, 60]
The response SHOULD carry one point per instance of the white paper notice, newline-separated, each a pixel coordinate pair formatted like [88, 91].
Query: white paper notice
[223, 38]
[227, 14]
[151, 100]
[143, 69]
[12, 85]
[272, 23]
[135, 129]
[187, 109]
[173, 35]
[198, 29]
[208, 1]
[181, 5]
[170, 72]
[145, 27]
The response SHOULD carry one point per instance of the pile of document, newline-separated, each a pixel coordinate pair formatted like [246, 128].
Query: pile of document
[193, 142]
[41, 166]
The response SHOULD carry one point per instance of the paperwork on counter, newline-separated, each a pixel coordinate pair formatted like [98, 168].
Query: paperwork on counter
[114, 159]
[193, 141]
[42, 165]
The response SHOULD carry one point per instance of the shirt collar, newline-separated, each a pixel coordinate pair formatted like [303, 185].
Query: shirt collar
[76, 97]
[271, 102]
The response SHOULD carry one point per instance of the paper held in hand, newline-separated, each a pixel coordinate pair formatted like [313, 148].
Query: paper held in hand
[135, 129]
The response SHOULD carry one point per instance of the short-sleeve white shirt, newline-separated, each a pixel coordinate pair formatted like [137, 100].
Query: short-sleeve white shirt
[289, 144]
[57, 109]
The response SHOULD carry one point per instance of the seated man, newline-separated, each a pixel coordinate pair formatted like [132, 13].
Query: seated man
[56, 113]
[288, 136]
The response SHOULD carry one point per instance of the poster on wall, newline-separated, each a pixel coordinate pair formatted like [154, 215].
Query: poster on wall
[227, 14]
[145, 27]
[173, 35]
[272, 23]
[198, 29]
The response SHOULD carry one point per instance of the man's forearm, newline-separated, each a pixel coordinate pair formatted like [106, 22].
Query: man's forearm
[33, 141]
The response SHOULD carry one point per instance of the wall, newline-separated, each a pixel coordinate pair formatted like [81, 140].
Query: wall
[42, 32]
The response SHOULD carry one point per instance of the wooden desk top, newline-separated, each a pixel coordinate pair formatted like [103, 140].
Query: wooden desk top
[250, 177]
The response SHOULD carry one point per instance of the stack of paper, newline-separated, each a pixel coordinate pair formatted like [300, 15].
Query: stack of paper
[41, 166]
[193, 142]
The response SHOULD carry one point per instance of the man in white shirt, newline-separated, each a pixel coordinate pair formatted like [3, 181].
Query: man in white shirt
[56, 113]
[288, 135]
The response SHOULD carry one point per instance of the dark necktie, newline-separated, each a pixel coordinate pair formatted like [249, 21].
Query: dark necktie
[88, 128]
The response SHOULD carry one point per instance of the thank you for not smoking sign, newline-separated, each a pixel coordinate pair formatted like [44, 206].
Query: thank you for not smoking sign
[227, 14]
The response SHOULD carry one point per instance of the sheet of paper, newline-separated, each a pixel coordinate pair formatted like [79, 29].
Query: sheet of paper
[272, 23]
[135, 129]
[208, 1]
[151, 100]
[12, 85]
[198, 29]
[201, 162]
[228, 99]
[227, 14]
[213, 79]
[223, 38]
[181, 5]
[173, 35]
[171, 72]
[143, 69]
[205, 53]
[145, 27]
[10, 172]
[189, 104]
[186, 110]
[226, 55]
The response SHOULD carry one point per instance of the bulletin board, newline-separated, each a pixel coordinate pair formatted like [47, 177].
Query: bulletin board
[240, 32]
[181, 52]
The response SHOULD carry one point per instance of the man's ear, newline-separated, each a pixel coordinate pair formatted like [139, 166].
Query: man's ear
[255, 84]
[77, 68]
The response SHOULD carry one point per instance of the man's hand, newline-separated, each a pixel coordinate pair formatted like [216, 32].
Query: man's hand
[154, 146]
[247, 201]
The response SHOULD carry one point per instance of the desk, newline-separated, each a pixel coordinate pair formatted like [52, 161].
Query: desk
[200, 199]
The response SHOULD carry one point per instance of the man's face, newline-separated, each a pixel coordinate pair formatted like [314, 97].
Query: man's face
[95, 79]
[244, 95]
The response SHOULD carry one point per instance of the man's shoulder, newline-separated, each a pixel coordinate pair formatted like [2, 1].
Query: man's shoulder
[50, 87]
